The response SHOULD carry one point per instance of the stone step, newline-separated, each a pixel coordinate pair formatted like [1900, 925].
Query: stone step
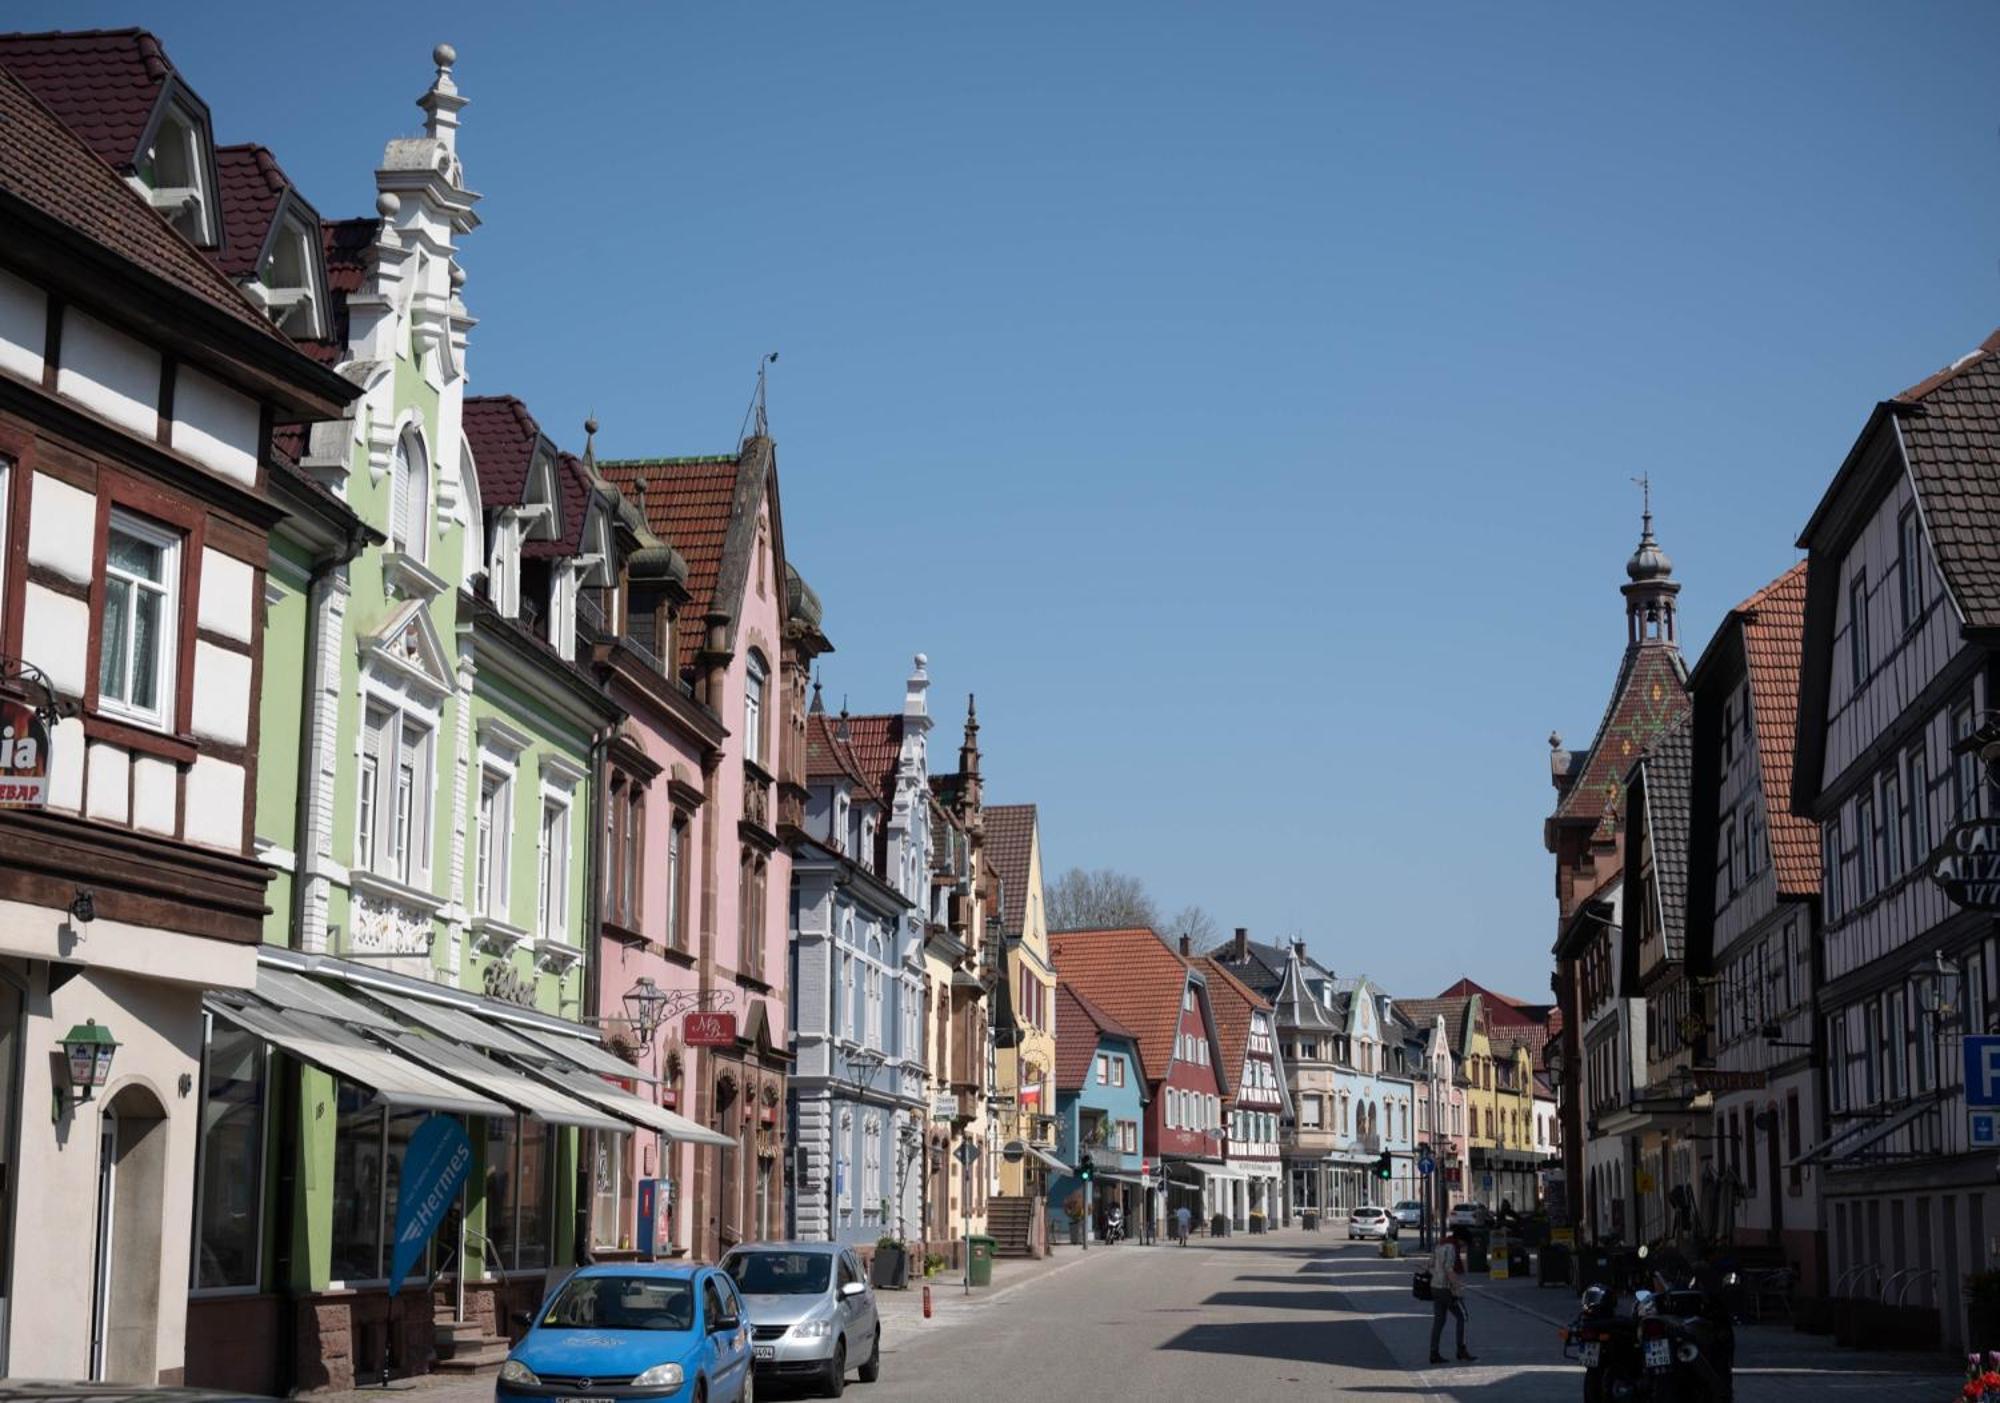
[488, 1356]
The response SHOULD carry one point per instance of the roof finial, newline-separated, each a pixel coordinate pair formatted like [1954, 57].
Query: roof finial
[1645, 482]
[590, 442]
[818, 705]
[442, 105]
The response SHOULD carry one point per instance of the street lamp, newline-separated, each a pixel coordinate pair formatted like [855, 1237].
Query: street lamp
[643, 1002]
[87, 1052]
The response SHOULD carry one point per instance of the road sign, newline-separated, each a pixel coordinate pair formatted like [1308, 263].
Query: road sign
[1985, 1129]
[1426, 1165]
[1982, 1072]
[1486, 1181]
[966, 1153]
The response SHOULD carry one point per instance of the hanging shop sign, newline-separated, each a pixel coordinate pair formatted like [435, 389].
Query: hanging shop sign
[1717, 1079]
[709, 1030]
[1967, 864]
[24, 756]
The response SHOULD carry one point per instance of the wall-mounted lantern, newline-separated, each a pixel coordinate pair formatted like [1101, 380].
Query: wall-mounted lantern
[87, 1052]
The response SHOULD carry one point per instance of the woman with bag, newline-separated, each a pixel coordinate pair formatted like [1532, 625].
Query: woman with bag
[1448, 1293]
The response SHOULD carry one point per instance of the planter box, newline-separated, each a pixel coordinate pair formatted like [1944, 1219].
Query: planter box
[890, 1270]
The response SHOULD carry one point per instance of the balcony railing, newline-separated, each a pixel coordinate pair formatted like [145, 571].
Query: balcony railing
[590, 620]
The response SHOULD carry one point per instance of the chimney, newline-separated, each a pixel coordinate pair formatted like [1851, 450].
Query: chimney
[1187, 944]
[1299, 948]
[1242, 952]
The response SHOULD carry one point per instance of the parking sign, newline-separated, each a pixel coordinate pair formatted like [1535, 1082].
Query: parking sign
[1982, 1072]
[1985, 1131]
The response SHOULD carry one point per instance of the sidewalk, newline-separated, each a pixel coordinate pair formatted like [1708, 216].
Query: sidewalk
[902, 1312]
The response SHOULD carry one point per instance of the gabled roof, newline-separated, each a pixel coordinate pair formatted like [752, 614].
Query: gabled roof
[1774, 629]
[47, 168]
[1951, 440]
[1456, 1012]
[1297, 1006]
[1133, 975]
[253, 186]
[1649, 694]
[689, 502]
[1081, 1026]
[1264, 969]
[1233, 1002]
[102, 84]
[1010, 841]
[573, 496]
[831, 756]
[1660, 782]
[878, 749]
[503, 437]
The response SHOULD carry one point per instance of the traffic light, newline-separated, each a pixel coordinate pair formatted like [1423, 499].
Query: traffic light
[1383, 1167]
[1087, 1170]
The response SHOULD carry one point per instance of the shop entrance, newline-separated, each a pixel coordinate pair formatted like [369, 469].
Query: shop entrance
[125, 1284]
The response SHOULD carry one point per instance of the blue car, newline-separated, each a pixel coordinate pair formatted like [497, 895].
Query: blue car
[634, 1330]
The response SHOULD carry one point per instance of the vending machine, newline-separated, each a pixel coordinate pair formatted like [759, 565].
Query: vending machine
[656, 1218]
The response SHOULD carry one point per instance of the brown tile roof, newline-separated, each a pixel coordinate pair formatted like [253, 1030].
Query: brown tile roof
[502, 435]
[1774, 630]
[102, 84]
[1666, 768]
[688, 503]
[1951, 439]
[1010, 838]
[1080, 1026]
[48, 167]
[1133, 975]
[1649, 695]
[1420, 1012]
[878, 749]
[252, 187]
[573, 491]
[830, 757]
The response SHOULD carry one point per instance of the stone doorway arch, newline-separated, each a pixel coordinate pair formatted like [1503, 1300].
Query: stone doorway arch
[132, 1185]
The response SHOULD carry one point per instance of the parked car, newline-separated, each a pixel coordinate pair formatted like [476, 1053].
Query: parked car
[1369, 1221]
[631, 1330]
[812, 1313]
[1472, 1217]
[1410, 1213]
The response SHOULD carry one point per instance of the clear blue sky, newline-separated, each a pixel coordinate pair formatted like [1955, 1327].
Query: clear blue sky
[1242, 399]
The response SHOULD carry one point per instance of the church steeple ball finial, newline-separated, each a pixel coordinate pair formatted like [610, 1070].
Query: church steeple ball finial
[1649, 597]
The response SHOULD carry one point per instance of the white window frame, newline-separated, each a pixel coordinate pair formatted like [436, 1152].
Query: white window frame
[494, 841]
[374, 838]
[410, 494]
[756, 680]
[160, 716]
[551, 867]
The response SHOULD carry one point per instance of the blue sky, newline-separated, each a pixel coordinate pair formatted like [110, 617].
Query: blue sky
[1242, 399]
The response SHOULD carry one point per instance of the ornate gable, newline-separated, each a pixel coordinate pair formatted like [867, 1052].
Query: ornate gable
[409, 649]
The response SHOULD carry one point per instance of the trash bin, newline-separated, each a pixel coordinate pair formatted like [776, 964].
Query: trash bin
[1475, 1256]
[1218, 1226]
[981, 1266]
[1309, 1221]
[1555, 1265]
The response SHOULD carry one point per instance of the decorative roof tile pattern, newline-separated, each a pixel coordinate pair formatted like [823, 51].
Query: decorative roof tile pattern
[1298, 1006]
[1010, 838]
[688, 504]
[1774, 630]
[46, 166]
[1951, 438]
[1134, 976]
[102, 84]
[1081, 1026]
[1649, 695]
[1667, 768]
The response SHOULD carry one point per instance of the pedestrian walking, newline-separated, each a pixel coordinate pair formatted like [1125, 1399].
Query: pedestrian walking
[1181, 1218]
[1448, 1292]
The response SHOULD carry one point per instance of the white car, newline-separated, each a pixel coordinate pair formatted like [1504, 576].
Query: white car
[1369, 1221]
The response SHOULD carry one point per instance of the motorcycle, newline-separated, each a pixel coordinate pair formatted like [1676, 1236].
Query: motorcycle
[1606, 1343]
[1114, 1227]
[1676, 1345]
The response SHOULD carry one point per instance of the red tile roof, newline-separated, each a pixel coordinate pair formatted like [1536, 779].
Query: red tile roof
[1233, 1003]
[688, 503]
[1951, 441]
[502, 435]
[1774, 630]
[1010, 838]
[1133, 975]
[878, 749]
[102, 84]
[252, 185]
[1080, 1026]
[830, 757]
[49, 168]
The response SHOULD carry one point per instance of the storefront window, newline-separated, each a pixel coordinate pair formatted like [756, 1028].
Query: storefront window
[357, 1184]
[232, 1160]
[611, 1195]
[538, 1147]
[502, 1149]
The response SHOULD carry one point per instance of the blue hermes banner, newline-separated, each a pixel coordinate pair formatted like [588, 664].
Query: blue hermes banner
[435, 1165]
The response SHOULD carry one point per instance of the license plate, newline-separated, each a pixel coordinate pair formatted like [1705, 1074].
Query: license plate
[1590, 1352]
[568, 1398]
[1659, 1354]
[761, 1353]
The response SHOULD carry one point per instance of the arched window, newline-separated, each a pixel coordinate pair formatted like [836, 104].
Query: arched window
[754, 680]
[410, 497]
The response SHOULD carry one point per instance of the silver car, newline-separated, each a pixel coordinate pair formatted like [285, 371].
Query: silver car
[812, 1314]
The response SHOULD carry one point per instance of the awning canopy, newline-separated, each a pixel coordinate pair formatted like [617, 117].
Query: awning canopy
[1025, 1148]
[325, 1044]
[623, 1104]
[295, 993]
[1850, 1140]
[461, 1026]
[590, 1056]
[522, 1092]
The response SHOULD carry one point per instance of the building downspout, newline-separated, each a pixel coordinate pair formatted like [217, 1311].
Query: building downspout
[593, 860]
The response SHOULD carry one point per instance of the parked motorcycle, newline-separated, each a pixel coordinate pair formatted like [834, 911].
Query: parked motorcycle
[1606, 1342]
[1677, 1344]
[1114, 1226]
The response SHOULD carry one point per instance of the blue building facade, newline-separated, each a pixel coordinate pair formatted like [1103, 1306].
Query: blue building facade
[1100, 1112]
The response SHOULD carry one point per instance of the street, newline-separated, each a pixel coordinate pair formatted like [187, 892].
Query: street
[1290, 1315]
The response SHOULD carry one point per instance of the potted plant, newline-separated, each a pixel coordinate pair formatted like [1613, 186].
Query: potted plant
[1982, 1373]
[891, 1268]
[933, 1263]
[1256, 1221]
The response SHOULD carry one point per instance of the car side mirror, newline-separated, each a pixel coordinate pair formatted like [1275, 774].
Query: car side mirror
[724, 1325]
[852, 1288]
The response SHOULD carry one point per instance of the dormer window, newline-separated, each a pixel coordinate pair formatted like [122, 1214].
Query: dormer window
[174, 168]
[288, 279]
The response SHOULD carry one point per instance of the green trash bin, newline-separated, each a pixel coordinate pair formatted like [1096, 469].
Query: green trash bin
[982, 1260]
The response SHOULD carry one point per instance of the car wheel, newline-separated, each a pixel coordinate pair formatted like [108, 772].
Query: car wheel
[749, 1393]
[835, 1382]
[872, 1370]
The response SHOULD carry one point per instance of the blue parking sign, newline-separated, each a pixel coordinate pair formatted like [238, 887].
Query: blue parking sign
[1985, 1131]
[1982, 1072]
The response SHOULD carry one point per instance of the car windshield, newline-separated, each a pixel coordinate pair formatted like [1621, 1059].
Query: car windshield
[1466, 1208]
[621, 1303]
[1409, 1203]
[780, 1273]
[1367, 1212]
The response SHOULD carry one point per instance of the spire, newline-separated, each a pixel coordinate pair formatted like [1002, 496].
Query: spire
[1651, 587]
[442, 103]
[818, 704]
[968, 753]
[841, 730]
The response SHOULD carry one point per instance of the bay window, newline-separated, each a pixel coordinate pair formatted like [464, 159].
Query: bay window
[139, 637]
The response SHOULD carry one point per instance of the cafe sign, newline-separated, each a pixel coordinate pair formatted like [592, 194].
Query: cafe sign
[709, 1030]
[1967, 864]
[1716, 1079]
[24, 756]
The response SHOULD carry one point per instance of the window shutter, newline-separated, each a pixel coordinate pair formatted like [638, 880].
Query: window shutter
[399, 501]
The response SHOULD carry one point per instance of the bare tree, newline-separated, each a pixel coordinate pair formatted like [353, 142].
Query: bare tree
[1191, 920]
[1080, 900]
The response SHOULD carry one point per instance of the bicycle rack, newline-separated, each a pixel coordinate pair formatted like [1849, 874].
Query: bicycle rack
[1927, 1275]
